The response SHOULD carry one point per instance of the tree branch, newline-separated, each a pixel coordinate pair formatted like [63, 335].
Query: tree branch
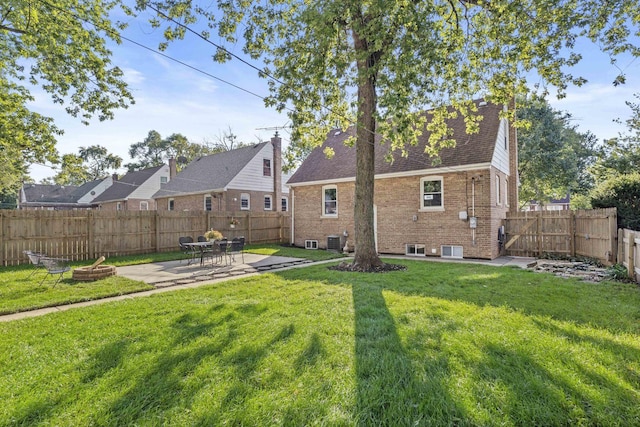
[12, 30]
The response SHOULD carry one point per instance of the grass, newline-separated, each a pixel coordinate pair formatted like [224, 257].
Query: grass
[437, 344]
[20, 291]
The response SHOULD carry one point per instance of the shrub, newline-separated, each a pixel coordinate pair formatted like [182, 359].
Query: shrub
[623, 193]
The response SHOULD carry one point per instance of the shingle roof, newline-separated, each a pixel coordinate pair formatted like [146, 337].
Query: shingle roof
[210, 172]
[46, 193]
[469, 149]
[126, 185]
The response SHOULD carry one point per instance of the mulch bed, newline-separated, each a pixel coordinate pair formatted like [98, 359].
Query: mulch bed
[380, 268]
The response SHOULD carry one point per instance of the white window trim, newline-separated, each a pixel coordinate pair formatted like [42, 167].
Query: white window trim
[498, 201]
[145, 204]
[506, 192]
[204, 202]
[432, 208]
[270, 208]
[119, 206]
[270, 166]
[169, 204]
[284, 199]
[324, 189]
[416, 247]
[248, 196]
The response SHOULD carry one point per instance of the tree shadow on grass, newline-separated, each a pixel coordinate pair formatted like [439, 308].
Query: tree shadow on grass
[388, 390]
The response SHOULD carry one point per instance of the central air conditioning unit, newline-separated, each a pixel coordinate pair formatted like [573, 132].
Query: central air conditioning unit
[333, 243]
[311, 244]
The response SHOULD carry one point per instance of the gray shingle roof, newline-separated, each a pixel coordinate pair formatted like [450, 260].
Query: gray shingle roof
[45, 193]
[126, 185]
[469, 149]
[210, 172]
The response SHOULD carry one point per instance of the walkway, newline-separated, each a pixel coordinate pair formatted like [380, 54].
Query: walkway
[176, 275]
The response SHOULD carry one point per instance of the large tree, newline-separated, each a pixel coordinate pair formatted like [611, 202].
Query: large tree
[553, 157]
[61, 47]
[376, 62]
[155, 150]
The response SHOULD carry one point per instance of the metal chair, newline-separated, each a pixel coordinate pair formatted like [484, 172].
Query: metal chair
[187, 250]
[214, 252]
[237, 247]
[35, 259]
[57, 266]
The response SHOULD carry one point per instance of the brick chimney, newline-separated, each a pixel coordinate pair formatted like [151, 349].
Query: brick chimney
[173, 169]
[277, 171]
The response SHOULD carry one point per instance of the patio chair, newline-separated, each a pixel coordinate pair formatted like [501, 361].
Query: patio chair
[54, 266]
[237, 247]
[187, 250]
[215, 252]
[34, 259]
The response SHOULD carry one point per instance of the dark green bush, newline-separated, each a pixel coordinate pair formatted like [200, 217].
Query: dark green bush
[623, 193]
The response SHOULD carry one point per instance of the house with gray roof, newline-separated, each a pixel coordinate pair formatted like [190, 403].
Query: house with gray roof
[450, 208]
[245, 179]
[134, 191]
[61, 197]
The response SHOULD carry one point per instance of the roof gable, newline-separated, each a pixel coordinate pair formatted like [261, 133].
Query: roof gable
[470, 149]
[47, 193]
[123, 187]
[213, 172]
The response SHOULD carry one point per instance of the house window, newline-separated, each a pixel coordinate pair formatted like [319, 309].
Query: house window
[163, 180]
[506, 192]
[285, 204]
[449, 251]
[431, 193]
[172, 205]
[414, 249]
[119, 206]
[245, 202]
[330, 200]
[144, 206]
[498, 190]
[267, 203]
[207, 203]
[266, 167]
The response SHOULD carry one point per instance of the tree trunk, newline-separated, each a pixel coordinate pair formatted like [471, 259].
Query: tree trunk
[366, 256]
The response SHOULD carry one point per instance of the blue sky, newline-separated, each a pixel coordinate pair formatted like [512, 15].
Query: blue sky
[171, 98]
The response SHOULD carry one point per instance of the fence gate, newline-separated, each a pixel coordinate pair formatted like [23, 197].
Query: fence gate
[589, 233]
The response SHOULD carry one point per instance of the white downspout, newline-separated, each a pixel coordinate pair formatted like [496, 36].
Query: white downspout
[293, 211]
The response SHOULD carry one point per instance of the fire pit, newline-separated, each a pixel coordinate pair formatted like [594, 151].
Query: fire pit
[94, 271]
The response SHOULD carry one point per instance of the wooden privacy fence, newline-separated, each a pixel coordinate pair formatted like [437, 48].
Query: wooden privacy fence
[629, 252]
[86, 235]
[589, 233]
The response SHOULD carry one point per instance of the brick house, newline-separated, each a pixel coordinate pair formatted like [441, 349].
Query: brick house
[61, 197]
[134, 191]
[247, 179]
[451, 209]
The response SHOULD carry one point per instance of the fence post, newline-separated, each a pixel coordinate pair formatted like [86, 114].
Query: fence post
[156, 224]
[620, 258]
[631, 256]
[613, 227]
[3, 254]
[249, 239]
[572, 233]
[539, 233]
[90, 234]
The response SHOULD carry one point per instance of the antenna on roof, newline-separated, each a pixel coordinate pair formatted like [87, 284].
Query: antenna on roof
[276, 128]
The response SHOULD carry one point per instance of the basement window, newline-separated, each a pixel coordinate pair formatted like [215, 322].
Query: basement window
[449, 251]
[414, 249]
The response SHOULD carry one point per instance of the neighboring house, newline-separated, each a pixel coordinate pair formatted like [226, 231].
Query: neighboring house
[553, 205]
[134, 191]
[61, 197]
[452, 209]
[245, 179]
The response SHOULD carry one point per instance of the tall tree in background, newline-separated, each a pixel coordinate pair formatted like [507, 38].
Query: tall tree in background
[553, 157]
[49, 44]
[93, 162]
[399, 56]
[72, 171]
[155, 151]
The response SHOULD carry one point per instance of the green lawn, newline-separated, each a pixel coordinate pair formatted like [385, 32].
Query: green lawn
[437, 344]
[21, 291]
